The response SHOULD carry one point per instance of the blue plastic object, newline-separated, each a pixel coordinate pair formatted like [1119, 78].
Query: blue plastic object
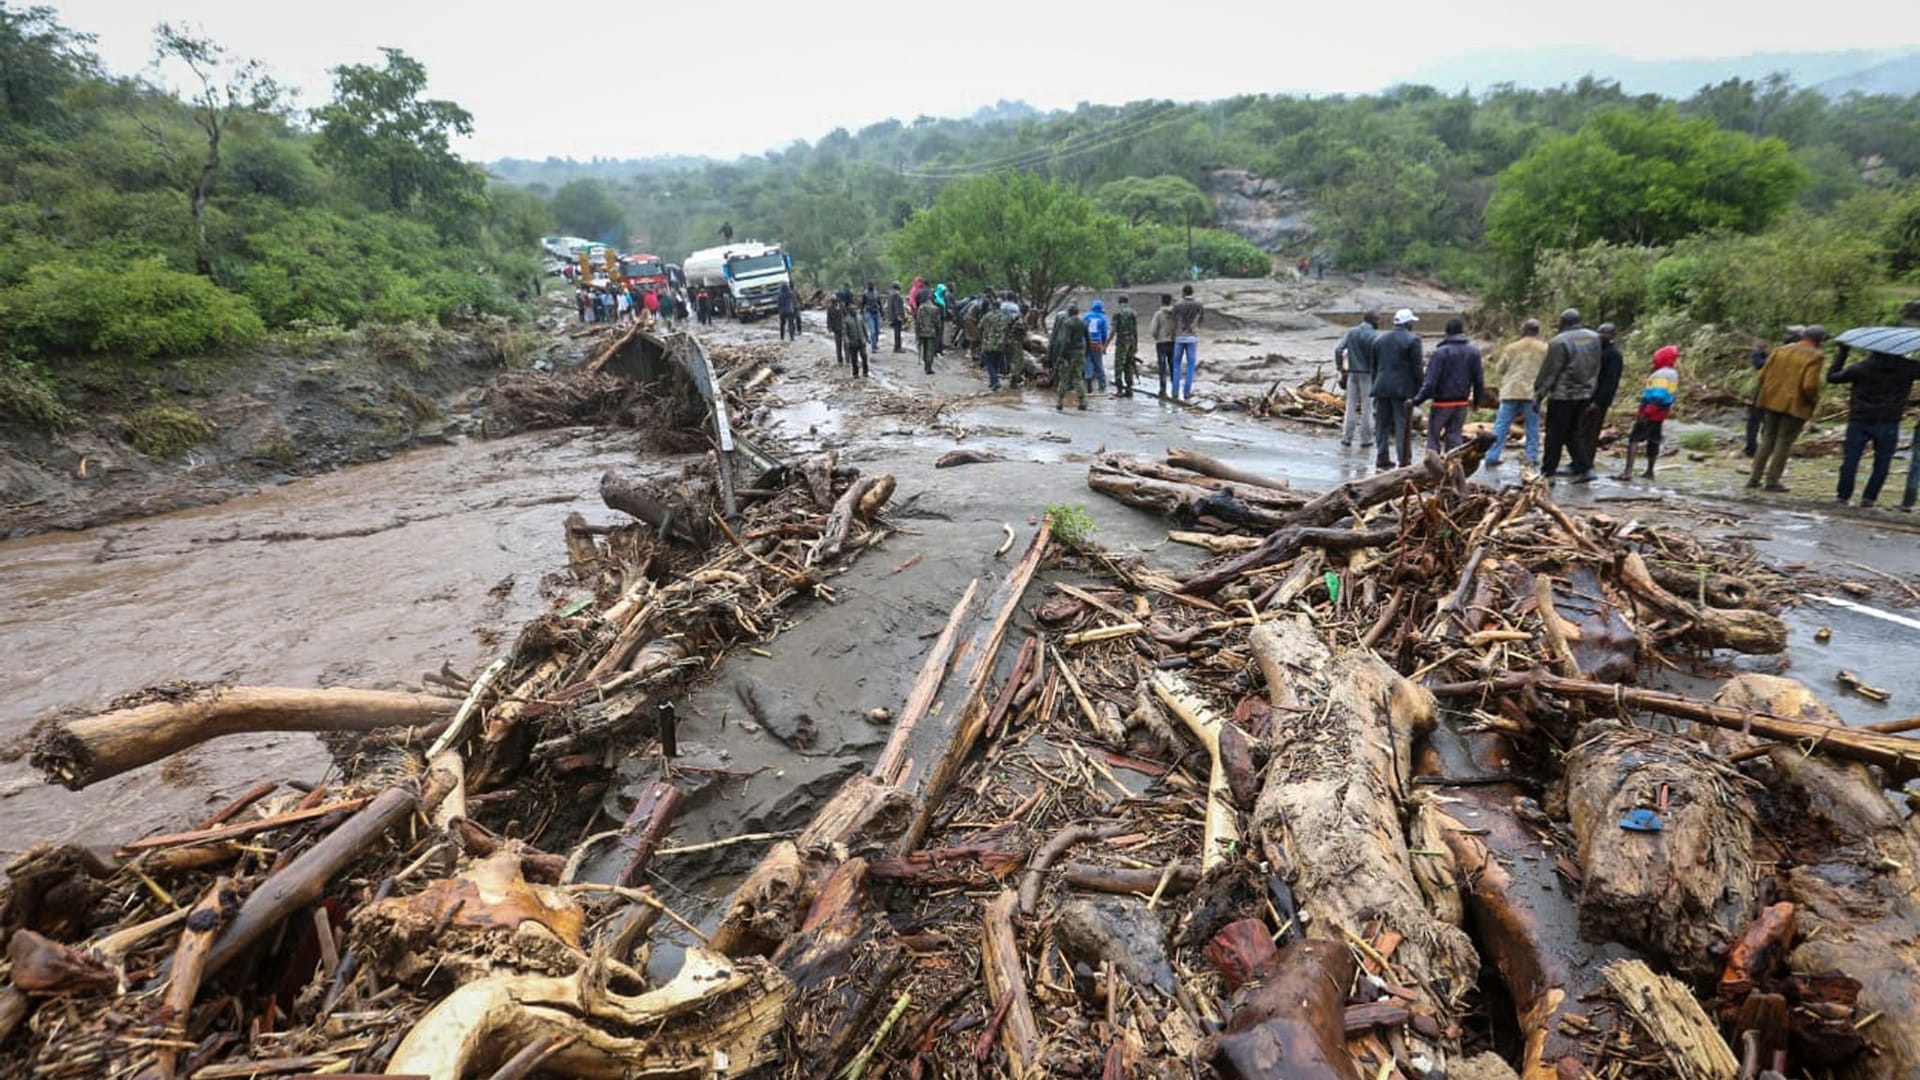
[1641, 819]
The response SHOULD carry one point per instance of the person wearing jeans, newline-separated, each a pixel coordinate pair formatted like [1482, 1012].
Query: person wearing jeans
[1187, 315]
[1881, 385]
[1353, 359]
[1518, 365]
[1913, 474]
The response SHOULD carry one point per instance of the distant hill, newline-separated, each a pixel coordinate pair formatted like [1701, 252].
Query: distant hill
[1879, 71]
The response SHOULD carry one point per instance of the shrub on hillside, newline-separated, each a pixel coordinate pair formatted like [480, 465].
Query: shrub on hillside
[141, 309]
[1162, 255]
[167, 431]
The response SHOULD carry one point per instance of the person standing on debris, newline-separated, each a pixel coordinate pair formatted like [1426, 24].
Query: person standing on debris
[1162, 330]
[1353, 359]
[1613, 364]
[870, 313]
[1067, 356]
[1098, 332]
[1187, 316]
[1789, 390]
[1455, 380]
[1397, 375]
[1656, 404]
[1519, 366]
[1126, 347]
[926, 331]
[788, 303]
[896, 314]
[1881, 383]
[1565, 384]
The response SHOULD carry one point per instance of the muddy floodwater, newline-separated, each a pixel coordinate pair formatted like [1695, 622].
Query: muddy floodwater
[375, 575]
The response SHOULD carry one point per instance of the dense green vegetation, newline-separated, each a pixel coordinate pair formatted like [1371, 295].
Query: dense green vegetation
[187, 210]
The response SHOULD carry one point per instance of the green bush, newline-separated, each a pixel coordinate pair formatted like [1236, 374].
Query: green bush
[167, 431]
[1809, 269]
[27, 396]
[1700, 442]
[1072, 525]
[140, 309]
[1607, 282]
[1161, 255]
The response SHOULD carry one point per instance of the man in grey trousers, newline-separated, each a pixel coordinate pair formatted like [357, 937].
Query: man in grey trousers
[1353, 358]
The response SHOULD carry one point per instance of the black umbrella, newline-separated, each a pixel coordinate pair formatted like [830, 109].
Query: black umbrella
[1898, 340]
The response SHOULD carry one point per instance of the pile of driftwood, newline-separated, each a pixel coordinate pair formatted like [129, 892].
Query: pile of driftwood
[1376, 795]
[422, 915]
[1317, 399]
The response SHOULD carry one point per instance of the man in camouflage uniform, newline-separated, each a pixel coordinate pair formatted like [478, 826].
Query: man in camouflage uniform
[1067, 355]
[1126, 347]
[992, 323]
[837, 319]
[1015, 355]
[926, 331]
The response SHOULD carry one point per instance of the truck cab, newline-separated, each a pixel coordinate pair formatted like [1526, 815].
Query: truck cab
[647, 271]
[746, 276]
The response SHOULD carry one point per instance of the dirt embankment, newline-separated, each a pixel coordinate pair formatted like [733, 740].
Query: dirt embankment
[300, 406]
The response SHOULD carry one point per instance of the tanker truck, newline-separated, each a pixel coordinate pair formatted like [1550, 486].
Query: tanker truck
[744, 277]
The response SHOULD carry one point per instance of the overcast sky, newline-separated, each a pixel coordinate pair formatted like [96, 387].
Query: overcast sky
[634, 79]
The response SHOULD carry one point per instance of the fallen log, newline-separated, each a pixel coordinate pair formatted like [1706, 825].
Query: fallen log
[1740, 629]
[1333, 798]
[189, 965]
[1665, 840]
[1283, 545]
[1665, 1009]
[1899, 757]
[965, 457]
[1003, 972]
[1192, 461]
[653, 813]
[684, 516]
[1180, 502]
[1856, 893]
[850, 509]
[1209, 729]
[818, 471]
[88, 750]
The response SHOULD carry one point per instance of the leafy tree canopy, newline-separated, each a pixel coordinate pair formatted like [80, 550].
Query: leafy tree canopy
[1019, 230]
[379, 131]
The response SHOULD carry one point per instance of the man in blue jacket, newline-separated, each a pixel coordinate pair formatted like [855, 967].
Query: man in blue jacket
[1454, 382]
[1099, 332]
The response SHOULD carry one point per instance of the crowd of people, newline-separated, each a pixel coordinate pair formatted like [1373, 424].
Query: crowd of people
[632, 303]
[1560, 390]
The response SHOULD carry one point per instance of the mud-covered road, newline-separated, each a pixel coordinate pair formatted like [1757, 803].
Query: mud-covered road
[372, 576]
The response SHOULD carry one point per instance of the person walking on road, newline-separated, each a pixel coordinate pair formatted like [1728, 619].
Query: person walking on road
[856, 346]
[1126, 347]
[926, 331]
[1455, 380]
[1789, 390]
[1656, 404]
[1397, 374]
[1187, 316]
[1881, 383]
[896, 315]
[837, 325]
[1565, 383]
[1162, 330]
[1353, 359]
[1067, 356]
[1518, 365]
[789, 305]
[1098, 333]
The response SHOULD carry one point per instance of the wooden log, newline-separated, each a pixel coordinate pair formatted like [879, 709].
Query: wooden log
[1127, 880]
[818, 471]
[845, 514]
[1333, 801]
[1057, 845]
[216, 906]
[677, 518]
[1193, 461]
[1899, 757]
[1681, 894]
[1282, 545]
[1222, 836]
[1290, 1024]
[888, 767]
[1265, 496]
[1865, 924]
[238, 829]
[88, 750]
[713, 1010]
[303, 881]
[1218, 543]
[1666, 1010]
[653, 812]
[1177, 501]
[1002, 971]
[1741, 629]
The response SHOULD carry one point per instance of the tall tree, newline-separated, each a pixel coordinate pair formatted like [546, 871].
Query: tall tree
[584, 208]
[221, 86]
[39, 60]
[1165, 199]
[380, 132]
[1038, 236]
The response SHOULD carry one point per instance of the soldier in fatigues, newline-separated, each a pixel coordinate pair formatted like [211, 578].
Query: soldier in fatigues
[856, 343]
[994, 330]
[1067, 355]
[1126, 347]
[926, 331]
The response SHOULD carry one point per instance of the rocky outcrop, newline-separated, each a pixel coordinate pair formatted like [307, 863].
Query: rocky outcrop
[1257, 209]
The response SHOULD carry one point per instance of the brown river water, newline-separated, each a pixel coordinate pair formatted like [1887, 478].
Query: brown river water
[368, 577]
